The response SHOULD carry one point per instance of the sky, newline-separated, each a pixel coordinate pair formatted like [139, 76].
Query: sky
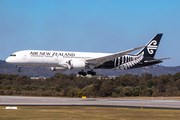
[106, 26]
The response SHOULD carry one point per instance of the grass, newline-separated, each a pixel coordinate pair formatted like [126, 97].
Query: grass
[88, 113]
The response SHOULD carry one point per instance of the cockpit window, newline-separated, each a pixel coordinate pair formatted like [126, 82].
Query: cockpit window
[13, 55]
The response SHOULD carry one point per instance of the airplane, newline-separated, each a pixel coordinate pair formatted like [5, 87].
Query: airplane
[63, 60]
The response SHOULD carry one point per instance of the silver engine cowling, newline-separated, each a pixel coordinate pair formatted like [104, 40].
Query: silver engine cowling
[58, 68]
[76, 64]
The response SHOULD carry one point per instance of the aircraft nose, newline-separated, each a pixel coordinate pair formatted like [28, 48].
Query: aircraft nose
[8, 60]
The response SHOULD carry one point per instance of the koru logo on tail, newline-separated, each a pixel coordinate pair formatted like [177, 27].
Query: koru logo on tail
[152, 46]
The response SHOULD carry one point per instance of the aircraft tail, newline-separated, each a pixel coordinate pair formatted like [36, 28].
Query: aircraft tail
[151, 47]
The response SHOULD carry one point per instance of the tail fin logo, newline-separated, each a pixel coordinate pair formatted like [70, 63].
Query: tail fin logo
[152, 46]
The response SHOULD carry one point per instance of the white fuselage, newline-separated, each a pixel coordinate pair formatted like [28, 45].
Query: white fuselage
[43, 58]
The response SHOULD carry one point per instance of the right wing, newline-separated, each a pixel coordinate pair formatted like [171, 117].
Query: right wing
[100, 60]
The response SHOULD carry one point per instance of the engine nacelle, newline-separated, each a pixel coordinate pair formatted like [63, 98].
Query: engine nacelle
[76, 64]
[58, 68]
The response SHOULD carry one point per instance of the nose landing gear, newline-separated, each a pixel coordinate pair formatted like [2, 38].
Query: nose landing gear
[19, 70]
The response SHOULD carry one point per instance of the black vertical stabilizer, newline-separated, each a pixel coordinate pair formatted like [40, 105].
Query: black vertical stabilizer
[151, 48]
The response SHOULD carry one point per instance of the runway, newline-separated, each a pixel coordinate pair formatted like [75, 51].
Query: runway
[55, 101]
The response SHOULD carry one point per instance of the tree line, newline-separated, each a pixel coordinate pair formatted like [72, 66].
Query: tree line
[100, 86]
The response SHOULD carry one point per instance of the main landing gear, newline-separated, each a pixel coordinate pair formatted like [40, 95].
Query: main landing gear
[91, 73]
[82, 73]
[19, 70]
[88, 72]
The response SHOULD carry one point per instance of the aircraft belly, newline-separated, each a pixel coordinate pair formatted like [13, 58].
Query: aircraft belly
[41, 62]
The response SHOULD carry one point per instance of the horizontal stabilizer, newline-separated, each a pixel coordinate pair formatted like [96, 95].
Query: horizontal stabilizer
[155, 60]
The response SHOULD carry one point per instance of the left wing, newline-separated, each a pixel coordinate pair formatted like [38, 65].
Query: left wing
[100, 60]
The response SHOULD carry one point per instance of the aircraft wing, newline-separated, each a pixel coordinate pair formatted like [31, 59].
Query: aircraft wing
[155, 60]
[100, 60]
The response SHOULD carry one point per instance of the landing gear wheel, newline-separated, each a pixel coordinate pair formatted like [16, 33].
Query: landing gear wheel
[19, 70]
[91, 73]
[82, 73]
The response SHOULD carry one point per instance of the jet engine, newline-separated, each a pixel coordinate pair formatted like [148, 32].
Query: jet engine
[76, 64]
[58, 68]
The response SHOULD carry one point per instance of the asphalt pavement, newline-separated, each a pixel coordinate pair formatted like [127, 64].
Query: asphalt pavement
[59, 101]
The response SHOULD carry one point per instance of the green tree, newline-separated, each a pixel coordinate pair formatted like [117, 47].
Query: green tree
[149, 92]
[176, 76]
[106, 89]
[118, 89]
[60, 76]
[128, 91]
[57, 88]
[72, 76]
[150, 84]
[146, 76]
